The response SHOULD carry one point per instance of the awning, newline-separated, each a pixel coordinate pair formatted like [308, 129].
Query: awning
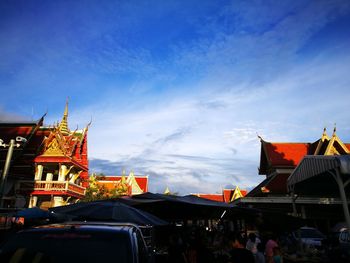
[323, 176]
[170, 207]
[319, 166]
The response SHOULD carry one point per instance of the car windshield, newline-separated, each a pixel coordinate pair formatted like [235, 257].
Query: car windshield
[63, 246]
[310, 233]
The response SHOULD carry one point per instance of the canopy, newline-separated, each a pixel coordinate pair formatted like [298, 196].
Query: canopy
[323, 176]
[318, 168]
[34, 213]
[108, 211]
[171, 207]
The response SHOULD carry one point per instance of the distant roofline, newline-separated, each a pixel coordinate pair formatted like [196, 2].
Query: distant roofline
[126, 175]
[290, 142]
[203, 194]
[5, 123]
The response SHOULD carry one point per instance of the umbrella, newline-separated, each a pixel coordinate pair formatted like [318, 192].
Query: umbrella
[34, 213]
[109, 211]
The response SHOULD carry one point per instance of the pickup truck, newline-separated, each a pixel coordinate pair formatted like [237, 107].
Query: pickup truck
[77, 242]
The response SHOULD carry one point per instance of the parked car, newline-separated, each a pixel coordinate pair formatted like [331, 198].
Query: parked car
[339, 245]
[309, 237]
[77, 242]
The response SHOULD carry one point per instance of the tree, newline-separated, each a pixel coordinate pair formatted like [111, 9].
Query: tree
[97, 191]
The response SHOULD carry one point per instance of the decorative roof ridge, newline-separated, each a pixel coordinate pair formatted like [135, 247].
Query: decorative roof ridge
[287, 142]
[63, 126]
[109, 175]
[20, 123]
[334, 139]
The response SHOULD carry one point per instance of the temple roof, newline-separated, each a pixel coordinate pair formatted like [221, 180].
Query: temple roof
[63, 126]
[44, 144]
[288, 155]
[22, 158]
[281, 154]
[227, 196]
[138, 183]
[65, 146]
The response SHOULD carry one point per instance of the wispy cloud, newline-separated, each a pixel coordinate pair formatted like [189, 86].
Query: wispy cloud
[176, 94]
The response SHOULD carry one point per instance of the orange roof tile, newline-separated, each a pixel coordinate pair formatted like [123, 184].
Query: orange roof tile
[286, 153]
[109, 181]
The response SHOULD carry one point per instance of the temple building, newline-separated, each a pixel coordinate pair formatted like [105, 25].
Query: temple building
[228, 195]
[49, 169]
[123, 184]
[279, 159]
[306, 180]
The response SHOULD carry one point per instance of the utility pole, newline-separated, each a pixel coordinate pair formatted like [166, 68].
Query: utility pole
[7, 165]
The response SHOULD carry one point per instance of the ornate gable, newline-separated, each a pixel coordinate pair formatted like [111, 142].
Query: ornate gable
[63, 142]
[236, 194]
[53, 149]
[133, 183]
[331, 146]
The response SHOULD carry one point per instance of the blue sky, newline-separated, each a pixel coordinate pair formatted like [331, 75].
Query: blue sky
[179, 90]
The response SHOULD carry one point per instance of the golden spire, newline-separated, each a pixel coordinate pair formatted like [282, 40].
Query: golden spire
[167, 191]
[334, 130]
[63, 127]
[324, 134]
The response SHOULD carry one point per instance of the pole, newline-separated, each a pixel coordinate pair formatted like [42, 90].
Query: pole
[5, 171]
[341, 187]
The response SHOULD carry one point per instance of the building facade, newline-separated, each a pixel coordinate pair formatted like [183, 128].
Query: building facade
[227, 195]
[122, 184]
[300, 182]
[50, 168]
[279, 159]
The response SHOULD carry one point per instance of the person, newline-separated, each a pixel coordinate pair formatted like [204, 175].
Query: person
[259, 256]
[271, 243]
[176, 253]
[252, 243]
[238, 252]
[277, 256]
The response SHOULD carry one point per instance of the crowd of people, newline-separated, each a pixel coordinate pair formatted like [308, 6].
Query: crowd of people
[198, 245]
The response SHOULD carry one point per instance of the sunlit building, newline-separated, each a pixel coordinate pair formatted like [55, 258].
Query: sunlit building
[124, 184]
[49, 169]
[228, 195]
[305, 180]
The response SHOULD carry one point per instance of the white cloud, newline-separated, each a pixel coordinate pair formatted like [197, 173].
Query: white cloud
[190, 118]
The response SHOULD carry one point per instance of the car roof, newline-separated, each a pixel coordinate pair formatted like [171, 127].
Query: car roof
[85, 226]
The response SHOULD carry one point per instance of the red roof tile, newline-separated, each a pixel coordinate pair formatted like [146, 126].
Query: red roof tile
[109, 181]
[286, 153]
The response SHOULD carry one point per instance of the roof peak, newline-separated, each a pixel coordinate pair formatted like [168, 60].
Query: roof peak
[63, 126]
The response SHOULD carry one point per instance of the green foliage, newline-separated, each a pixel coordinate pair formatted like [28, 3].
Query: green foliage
[97, 191]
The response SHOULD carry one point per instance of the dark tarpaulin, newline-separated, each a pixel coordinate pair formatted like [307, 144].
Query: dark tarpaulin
[108, 211]
[34, 213]
[172, 207]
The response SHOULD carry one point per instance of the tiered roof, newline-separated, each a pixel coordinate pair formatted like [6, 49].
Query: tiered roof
[23, 156]
[60, 145]
[278, 160]
[137, 184]
[227, 196]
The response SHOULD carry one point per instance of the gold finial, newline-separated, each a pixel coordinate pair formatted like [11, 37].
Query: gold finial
[167, 191]
[324, 135]
[63, 126]
[335, 129]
